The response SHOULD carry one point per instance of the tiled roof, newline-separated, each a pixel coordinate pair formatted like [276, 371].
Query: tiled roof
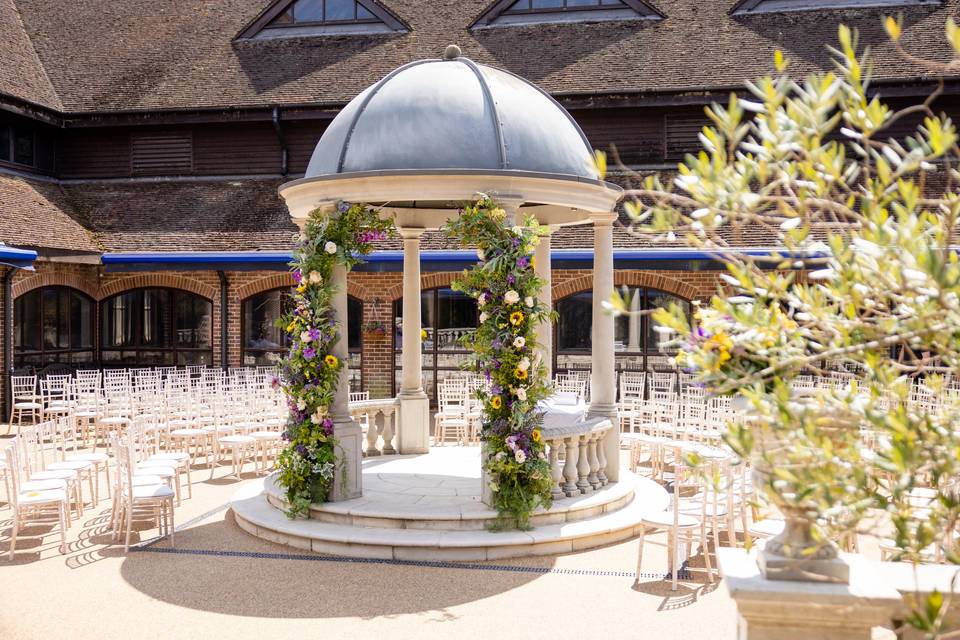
[21, 73]
[185, 215]
[167, 54]
[35, 213]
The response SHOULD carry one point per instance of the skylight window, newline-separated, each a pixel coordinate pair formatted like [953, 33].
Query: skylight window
[748, 7]
[323, 17]
[506, 12]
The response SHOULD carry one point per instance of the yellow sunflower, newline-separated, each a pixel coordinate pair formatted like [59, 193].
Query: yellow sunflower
[423, 334]
[520, 374]
[536, 435]
[516, 318]
[331, 360]
[496, 402]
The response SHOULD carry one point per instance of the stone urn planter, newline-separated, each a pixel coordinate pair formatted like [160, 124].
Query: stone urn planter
[800, 551]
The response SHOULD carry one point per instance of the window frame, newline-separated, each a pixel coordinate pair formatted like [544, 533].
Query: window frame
[19, 352]
[397, 351]
[264, 27]
[138, 347]
[645, 351]
[755, 7]
[355, 351]
[499, 14]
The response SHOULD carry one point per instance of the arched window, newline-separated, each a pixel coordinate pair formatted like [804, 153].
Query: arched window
[637, 344]
[445, 315]
[156, 327]
[52, 324]
[264, 343]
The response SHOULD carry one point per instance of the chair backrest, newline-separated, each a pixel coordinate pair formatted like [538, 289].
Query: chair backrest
[661, 381]
[632, 385]
[24, 387]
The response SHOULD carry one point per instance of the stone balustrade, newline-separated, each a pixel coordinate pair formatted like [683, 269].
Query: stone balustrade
[577, 457]
[377, 419]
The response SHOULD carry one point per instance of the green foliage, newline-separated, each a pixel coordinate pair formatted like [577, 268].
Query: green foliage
[868, 278]
[503, 348]
[310, 372]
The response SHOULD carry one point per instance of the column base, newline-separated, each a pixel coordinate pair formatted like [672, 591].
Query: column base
[413, 426]
[348, 478]
[611, 441]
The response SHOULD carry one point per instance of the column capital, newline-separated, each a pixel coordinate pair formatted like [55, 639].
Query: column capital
[410, 233]
[603, 218]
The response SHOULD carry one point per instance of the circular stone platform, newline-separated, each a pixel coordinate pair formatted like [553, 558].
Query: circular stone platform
[428, 507]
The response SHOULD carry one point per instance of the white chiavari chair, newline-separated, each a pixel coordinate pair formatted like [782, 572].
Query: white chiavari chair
[30, 501]
[26, 401]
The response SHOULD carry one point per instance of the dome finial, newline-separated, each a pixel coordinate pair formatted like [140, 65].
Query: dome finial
[452, 52]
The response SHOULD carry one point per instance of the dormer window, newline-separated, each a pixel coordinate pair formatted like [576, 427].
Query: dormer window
[290, 18]
[749, 7]
[507, 12]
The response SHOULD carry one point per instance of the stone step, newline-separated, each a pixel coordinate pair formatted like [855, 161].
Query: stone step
[257, 516]
[456, 513]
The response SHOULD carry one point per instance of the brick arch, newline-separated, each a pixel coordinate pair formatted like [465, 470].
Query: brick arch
[54, 279]
[427, 281]
[285, 280]
[632, 278]
[162, 280]
[273, 281]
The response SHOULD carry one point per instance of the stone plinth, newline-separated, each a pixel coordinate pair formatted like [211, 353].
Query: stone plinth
[792, 610]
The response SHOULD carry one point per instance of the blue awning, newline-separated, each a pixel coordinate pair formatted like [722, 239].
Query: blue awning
[433, 260]
[17, 258]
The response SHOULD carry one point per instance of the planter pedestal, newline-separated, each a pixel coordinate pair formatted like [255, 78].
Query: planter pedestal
[797, 610]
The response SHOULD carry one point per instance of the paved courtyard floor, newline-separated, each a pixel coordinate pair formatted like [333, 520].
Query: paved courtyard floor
[218, 581]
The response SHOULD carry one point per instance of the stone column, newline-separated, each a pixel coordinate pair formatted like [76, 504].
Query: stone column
[413, 425]
[545, 329]
[348, 482]
[634, 326]
[603, 376]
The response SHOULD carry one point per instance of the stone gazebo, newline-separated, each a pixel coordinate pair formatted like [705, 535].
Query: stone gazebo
[419, 143]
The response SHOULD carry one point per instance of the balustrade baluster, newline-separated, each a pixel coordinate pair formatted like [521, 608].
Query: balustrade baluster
[592, 459]
[556, 469]
[601, 459]
[570, 468]
[583, 466]
[388, 432]
[371, 416]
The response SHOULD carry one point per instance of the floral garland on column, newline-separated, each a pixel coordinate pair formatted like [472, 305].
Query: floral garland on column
[503, 349]
[309, 373]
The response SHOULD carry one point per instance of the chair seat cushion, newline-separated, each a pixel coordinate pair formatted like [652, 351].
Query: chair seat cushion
[27, 405]
[175, 456]
[152, 491]
[187, 433]
[42, 485]
[40, 497]
[75, 465]
[266, 435]
[237, 440]
[766, 528]
[89, 457]
[54, 474]
[155, 470]
[665, 519]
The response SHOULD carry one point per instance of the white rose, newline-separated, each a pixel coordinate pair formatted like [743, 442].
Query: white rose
[524, 364]
[511, 297]
[482, 300]
[520, 456]
[301, 404]
[318, 416]
[315, 277]
[500, 456]
[528, 301]
[330, 247]
[517, 229]
[483, 317]
[519, 342]
[521, 394]
[305, 336]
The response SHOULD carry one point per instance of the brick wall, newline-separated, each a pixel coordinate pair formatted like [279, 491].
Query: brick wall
[377, 291]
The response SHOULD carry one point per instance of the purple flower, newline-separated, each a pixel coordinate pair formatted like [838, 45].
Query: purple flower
[511, 279]
[302, 450]
[496, 389]
[309, 353]
[297, 276]
[516, 242]
[327, 426]
[343, 207]
[314, 334]
[523, 262]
